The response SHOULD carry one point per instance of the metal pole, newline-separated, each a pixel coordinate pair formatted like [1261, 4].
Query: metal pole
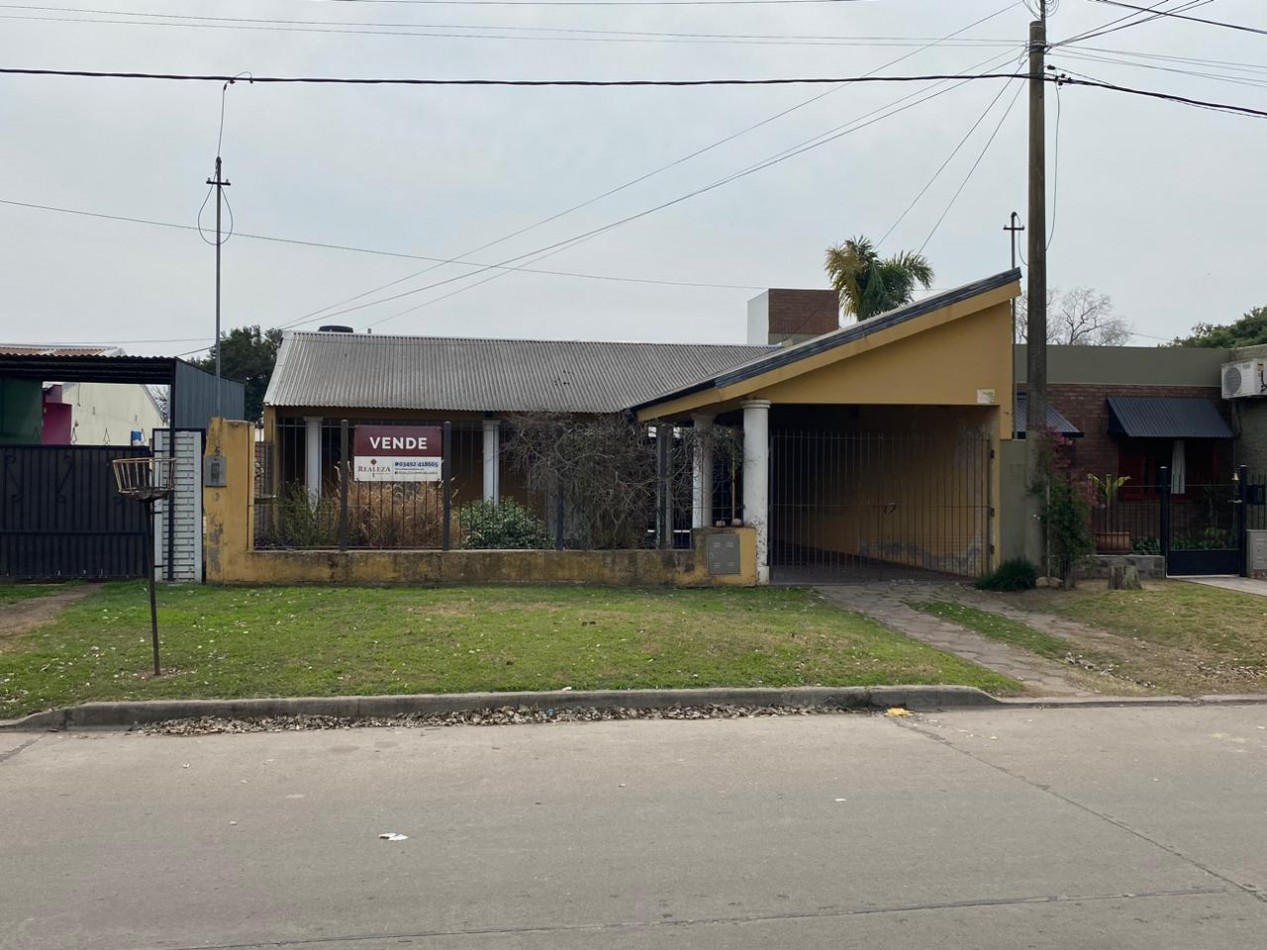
[446, 470]
[345, 471]
[149, 572]
[1242, 520]
[220, 184]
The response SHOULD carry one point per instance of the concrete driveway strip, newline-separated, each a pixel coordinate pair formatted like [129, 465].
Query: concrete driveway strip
[814, 832]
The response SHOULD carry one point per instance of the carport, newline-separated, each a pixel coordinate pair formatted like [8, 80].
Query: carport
[871, 451]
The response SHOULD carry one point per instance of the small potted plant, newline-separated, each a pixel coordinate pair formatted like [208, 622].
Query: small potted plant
[1109, 540]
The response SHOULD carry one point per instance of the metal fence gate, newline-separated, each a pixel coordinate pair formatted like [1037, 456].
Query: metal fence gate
[60, 516]
[866, 506]
[1204, 532]
[178, 519]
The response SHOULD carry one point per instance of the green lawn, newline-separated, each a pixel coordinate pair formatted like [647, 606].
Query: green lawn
[237, 642]
[1171, 613]
[1173, 637]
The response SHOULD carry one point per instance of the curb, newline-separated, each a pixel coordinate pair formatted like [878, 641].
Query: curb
[125, 714]
[842, 699]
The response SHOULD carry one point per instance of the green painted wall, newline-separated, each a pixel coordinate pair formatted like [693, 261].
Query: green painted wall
[21, 411]
[1129, 365]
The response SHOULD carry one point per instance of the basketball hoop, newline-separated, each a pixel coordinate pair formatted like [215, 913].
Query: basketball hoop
[147, 479]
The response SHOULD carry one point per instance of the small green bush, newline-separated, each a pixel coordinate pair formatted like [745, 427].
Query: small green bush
[1017, 574]
[504, 525]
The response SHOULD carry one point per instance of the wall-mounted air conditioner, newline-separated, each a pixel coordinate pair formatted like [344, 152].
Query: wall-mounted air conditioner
[1245, 378]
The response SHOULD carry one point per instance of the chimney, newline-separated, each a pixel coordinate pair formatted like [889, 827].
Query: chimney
[788, 317]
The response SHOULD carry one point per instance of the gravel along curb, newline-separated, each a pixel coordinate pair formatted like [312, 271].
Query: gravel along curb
[503, 708]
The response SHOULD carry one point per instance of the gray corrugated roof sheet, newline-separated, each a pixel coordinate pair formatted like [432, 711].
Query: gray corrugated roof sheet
[1166, 417]
[363, 371]
[1055, 420]
[785, 356]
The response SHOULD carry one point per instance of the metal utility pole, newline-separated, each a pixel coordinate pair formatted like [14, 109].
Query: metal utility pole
[220, 185]
[1036, 288]
[1015, 227]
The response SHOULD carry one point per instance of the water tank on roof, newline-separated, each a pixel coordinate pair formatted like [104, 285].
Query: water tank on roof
[334, 328]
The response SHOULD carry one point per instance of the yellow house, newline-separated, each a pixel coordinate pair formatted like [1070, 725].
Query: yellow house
[875, 445]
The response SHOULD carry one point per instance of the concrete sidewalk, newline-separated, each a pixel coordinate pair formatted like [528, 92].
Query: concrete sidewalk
[1242, 585]
[886, 603]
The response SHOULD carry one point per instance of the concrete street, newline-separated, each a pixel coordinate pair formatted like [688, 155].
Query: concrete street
[1098, 828]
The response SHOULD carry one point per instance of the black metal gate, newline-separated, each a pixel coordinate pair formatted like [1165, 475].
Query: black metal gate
[1203, 527]
[61, 518]
[868, 506]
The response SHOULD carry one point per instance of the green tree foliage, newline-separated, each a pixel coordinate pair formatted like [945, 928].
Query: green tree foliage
[869, 284]
[1249, 330]
[247, 355]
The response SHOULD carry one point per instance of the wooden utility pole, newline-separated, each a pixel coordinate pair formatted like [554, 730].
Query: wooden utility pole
[1036, 287]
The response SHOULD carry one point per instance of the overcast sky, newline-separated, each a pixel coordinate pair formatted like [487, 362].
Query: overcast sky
[1161, 206]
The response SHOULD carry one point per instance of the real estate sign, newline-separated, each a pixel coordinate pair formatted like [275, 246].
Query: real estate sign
[397, 453]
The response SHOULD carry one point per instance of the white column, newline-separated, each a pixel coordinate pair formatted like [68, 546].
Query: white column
[756, 479]
[312, 455]
[702, 472]
[492, 460]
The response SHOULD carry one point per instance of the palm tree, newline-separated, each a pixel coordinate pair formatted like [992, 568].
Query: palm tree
[869, 285]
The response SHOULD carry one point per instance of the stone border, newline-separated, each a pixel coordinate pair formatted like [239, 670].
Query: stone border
[844, 699]
[123, 714]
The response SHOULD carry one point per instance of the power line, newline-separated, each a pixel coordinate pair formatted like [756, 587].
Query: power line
[585, 83]
[1193, 19]
[673, 164]
[855, 125]
[973, 169]
[475, 31]
[1216, 77]
[374, 251]
[1121, 23]
[593, 3]
[937, 174]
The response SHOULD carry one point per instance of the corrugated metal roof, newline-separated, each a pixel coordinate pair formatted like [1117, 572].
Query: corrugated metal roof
[785, 356]
[365, 371]
[57, 349]
[1166, 417]
[1055, 420]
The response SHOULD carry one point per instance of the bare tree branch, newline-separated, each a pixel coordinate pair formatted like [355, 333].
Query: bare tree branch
[1078, 317]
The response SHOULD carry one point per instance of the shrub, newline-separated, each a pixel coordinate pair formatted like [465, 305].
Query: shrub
[489, 525]
[1017, 574]
[395, 514]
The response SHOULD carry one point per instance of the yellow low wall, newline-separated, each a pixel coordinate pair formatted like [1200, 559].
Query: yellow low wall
[231, 559]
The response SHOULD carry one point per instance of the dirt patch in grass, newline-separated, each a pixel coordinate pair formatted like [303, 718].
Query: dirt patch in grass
[1171, 637]
[40, 606]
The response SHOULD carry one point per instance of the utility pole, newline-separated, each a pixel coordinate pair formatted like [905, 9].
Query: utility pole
[220, 185]
[1036, 287]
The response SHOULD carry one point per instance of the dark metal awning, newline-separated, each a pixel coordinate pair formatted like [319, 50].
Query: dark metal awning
[1055, 421]
[1166, 417]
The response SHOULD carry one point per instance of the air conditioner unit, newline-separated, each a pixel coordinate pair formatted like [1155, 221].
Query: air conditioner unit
[1246, 378]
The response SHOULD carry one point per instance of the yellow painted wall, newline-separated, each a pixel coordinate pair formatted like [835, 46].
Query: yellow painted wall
[939, 358]
[954, 364]
[228, 511]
